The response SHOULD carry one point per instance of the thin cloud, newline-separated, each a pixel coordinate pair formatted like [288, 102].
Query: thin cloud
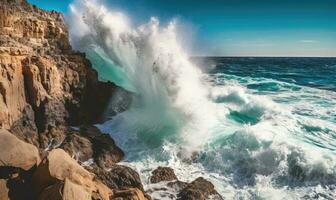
[307, 41]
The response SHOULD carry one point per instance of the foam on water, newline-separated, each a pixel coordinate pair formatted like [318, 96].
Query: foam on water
[254, 138]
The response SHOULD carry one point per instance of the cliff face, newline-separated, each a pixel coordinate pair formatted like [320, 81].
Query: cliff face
[43, 82]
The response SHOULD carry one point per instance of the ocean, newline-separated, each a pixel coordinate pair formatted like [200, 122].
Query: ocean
[257, 128]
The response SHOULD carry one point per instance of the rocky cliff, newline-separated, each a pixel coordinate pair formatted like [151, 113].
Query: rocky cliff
[44, 83]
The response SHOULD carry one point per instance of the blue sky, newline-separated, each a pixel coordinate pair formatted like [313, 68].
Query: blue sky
[240, 27]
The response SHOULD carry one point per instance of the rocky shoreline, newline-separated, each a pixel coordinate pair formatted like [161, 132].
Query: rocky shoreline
[46, 89]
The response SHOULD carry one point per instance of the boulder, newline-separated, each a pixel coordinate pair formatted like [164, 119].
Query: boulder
[65, 191]
[78, 147]
[106, 152]
[4, 191]
[177, 185]
[89, 143]
[59, 166]
[163, 174]
[119, 177]
[199, 189]
[16, 153]
[128, 194]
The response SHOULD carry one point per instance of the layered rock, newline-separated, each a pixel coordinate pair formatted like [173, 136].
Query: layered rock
[43, 82]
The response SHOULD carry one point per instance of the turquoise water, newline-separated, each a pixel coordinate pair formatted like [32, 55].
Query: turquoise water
[258, 128]
[277, 134]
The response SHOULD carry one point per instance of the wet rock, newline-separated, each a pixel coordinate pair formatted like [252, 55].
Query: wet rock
[89, 143]
[199, 189]
[106, 152]
[53, 137]
[78, 147]
[177, 185]
[119, 177]
[128, 194]
[163, 174]
[16, 153]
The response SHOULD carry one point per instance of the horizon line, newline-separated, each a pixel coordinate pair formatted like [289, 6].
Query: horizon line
[255, 56]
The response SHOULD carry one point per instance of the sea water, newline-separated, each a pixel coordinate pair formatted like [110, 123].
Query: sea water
[257, 128]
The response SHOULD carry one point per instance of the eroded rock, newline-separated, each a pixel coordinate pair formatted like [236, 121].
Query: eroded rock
[90, 143]
[128, 194]
[199, 189]
[16, 153]
[44, 84]
[59, 166]
[78, 147]
[119, 177]
[163, 174]
[66, 190]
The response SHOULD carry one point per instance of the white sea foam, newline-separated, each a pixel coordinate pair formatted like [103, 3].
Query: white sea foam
[251, 146]
[169, 88]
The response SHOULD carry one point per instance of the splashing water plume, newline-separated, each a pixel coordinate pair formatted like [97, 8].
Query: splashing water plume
[248, 144]
[169, 90]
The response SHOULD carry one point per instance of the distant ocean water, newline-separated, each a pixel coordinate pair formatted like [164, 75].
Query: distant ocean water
[257, 128]
[303, 71]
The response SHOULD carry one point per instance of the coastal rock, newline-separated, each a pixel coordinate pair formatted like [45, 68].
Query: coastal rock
[59, 166]
[45, 88]
[78, 147]
[44, 84]
[106, 152]
[119, 177]
[163, 174]
[65, 191]
[18, 160]
[199, 189]
[4, 191]
[90, 143]
[177, 185]
[15, 183]
[16, 153]
[128, 194]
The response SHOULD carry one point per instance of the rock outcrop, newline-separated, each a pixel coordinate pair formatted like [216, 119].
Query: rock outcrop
[199, 189]
[128, 194]
[163, 174]
[18, 159]
[90, 143]
[16, 153]
[59, 170]
[43, 82]
[119, 177]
